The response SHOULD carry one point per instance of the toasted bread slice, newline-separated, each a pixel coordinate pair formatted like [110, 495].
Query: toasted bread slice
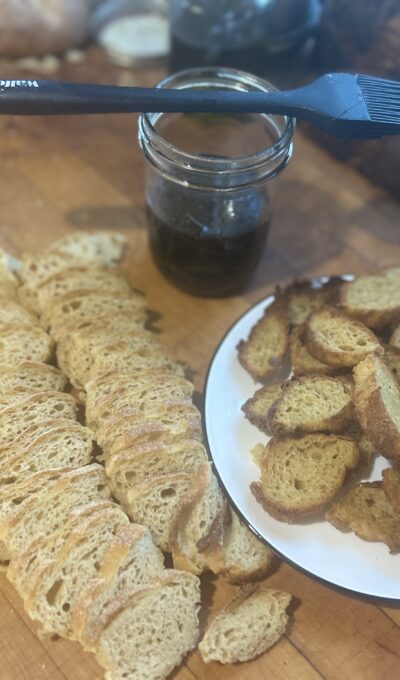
[366, 447]
[33, 374]
[391, 486]
[395, 338]
[377, 404]
[156, 503]
[301, 476]
[303, 363]
[132, 560]
[302, 299]
[374, 300]
[144, 635]
[366, 510]
[44, 512]
[246, 627]
[312, 404]
[244, 557]
[262, 353]
[24, 342]
[50, 597]
[134, 465]
[338, 340]
[66, 446]
[256, 408]
[198, 528]
[40, 407]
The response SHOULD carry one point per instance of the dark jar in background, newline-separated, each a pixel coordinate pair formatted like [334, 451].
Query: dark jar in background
[210, 181]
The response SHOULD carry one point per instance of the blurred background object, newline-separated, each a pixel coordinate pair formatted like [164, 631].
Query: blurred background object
[39, 27]
[132, 32]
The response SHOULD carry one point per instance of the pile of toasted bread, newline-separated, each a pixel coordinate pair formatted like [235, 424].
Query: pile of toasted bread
[338, 410]
[83, 526]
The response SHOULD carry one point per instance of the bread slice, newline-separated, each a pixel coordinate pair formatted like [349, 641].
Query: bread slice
[66, 446]
[392, 357]
[33, 374]
[141, 462]
[44, 511]
[40, 407]
[391, 486]
[338, 340]
[244, 557]
[366, 510]
[302, 299]
[366, 447]
[76, 353]
[131, 354]
[395, 338]
[75, 313]
[256, 408]
[301, 476]
[15, 395]
[107, 247]
[24, 342]
[198, 528]
[132, 560]
[13, 313]
[262, 353]
[156, 503]
[127, 431]
[26, 563]
[145, 635]
[377, 404]
[374, 300]
[167, 388]
[247, 626]
[303, 363]
[27, 436]
[51, 595]
[312, 404]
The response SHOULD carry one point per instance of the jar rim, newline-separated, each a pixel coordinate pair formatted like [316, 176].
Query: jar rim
[227, 78]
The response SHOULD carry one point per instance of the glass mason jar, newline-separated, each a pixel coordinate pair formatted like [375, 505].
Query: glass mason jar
[210, 181]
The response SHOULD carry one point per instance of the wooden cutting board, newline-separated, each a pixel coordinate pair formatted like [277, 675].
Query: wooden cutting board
[57, 175]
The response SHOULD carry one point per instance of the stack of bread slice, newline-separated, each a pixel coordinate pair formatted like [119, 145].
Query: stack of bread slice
[83, 569]
[72, 552]
[339, 408]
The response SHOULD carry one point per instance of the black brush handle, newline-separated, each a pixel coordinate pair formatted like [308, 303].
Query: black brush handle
[47, 97]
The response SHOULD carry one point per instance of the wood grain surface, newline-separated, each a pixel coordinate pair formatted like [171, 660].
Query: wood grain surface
[57, 175]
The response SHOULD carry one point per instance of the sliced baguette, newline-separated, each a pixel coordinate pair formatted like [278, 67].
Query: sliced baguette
[24, 342]
[198, 528]
[302, 299]
[247, 626]
[145, 635]
[13, 313]
[262, 353]
[377, 404]
[41, 407]
[244, 557]
[374, 300]
[156, 503]
[301, 476]
[366, 510]
[35, 375]
[312, 404]
[50, 597]
[131, 560]
[338, 340]
[303, 363]
[98, 246]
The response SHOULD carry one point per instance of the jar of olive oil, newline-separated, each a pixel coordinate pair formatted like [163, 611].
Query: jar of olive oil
[210, 181]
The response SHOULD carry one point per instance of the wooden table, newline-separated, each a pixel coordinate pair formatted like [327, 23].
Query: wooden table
[57, 175]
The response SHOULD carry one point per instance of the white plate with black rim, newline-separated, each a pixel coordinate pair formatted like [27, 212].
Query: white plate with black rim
[315, 547]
